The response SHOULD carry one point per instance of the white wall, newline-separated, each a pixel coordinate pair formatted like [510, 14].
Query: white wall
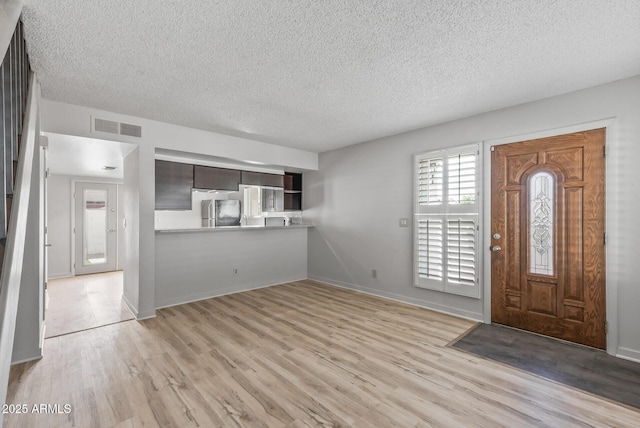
[360, 192]
[59, 224]
[71, 119]
[59, 212]
[131, 209]
[197, 265]
[68, 119]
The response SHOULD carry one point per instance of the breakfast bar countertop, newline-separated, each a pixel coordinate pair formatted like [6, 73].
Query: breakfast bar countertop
[232, 228]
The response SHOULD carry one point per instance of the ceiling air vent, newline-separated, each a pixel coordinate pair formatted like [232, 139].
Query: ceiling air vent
[111, 127]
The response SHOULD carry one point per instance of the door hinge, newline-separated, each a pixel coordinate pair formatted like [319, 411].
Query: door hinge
[604, 238]
[604, 151]
[493, 148]
[606, 327]
[47, 173]
[45, 229]
[74, 230]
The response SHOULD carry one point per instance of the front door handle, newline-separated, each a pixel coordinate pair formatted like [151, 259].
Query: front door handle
[496, 248]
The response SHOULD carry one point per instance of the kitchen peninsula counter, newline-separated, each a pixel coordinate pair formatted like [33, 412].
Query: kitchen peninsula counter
[231, 229]
[199, 263]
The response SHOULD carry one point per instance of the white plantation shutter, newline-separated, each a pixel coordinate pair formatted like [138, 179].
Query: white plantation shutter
[446, 220]
[461, 251]
[430, 248]
[430, 181]
[462, 179]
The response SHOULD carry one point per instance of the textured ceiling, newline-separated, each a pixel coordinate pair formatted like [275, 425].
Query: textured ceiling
[318, 75]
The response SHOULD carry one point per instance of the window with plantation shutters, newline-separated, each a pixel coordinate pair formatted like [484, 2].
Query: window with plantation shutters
[446, 220]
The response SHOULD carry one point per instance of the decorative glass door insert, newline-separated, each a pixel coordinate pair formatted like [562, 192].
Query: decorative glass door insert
[541, 208]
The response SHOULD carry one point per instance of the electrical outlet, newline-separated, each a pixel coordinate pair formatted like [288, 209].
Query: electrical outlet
[404, 222]
[374, 273]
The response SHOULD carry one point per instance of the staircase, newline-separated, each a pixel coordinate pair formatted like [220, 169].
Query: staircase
[14, 82]
[18, 136]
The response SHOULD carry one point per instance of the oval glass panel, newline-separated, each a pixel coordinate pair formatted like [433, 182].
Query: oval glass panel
[541, 209]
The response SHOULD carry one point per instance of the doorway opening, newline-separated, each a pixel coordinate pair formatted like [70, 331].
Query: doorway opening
[84, 231]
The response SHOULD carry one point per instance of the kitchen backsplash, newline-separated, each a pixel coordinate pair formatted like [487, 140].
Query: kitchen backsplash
[193, 219]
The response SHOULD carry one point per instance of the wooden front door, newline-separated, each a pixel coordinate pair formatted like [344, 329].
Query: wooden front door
[547, 226]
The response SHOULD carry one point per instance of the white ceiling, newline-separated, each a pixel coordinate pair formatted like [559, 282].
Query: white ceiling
[318, 75]
[79, 156]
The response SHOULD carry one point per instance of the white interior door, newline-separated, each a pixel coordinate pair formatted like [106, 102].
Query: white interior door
[96, 228]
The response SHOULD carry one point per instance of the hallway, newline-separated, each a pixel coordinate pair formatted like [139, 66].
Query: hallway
[84, 302]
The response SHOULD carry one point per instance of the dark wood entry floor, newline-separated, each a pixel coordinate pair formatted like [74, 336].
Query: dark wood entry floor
[588, 369]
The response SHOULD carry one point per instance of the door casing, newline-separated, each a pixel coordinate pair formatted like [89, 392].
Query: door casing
[75, 220]
[611, 292]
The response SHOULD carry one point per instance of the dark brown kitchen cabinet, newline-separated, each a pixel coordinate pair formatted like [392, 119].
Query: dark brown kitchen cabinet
[206, 177]
[262, 179]
[174, 182]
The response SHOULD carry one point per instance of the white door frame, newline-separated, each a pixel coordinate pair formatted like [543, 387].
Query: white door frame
[72, 208]
[44, 174]
[611, 290]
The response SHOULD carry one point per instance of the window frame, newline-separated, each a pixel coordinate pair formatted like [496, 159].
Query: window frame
[447, 212]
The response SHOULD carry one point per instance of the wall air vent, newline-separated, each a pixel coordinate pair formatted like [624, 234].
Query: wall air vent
[130, 130]
[111, 127]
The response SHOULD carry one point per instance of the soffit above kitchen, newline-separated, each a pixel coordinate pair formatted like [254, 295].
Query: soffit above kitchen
[319, 75]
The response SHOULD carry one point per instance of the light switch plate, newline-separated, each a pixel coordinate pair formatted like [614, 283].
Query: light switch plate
[404, 222]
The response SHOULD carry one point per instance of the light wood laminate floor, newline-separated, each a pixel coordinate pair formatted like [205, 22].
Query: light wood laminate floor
[294, 355]
[85, 301]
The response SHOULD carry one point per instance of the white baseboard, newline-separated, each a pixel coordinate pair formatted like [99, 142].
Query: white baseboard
[217, 293]
[145, 315]
[42, 336]
[628, 354]
[60, 275]
[402, 299]
[129, 305]
[139, 315]
[21, 360]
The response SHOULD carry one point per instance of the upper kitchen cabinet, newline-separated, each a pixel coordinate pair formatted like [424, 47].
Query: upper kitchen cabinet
[210, 178]
[262, 179]
[174, 182]
[292, 191]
